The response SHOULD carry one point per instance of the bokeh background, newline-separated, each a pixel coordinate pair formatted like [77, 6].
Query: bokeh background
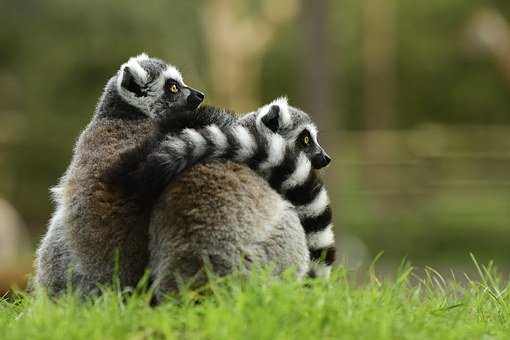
[412, 98]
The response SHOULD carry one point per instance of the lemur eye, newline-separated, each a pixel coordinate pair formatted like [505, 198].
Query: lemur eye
[305, 138]
[174, 88]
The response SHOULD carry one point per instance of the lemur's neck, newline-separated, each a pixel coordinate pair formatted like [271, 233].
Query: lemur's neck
[113, 106]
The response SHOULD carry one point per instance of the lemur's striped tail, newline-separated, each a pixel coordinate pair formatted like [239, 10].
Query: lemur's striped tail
[192, 146]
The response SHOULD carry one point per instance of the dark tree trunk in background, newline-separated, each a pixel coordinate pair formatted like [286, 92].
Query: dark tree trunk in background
[316, 86]
[316, 67]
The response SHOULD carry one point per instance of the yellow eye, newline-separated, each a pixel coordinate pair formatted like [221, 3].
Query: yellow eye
[306, 140]
[173, 88]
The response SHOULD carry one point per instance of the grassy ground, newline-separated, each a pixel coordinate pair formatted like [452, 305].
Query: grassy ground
[404, 307]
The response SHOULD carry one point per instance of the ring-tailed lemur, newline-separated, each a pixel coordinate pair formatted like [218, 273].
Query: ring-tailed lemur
[94, 219]
[279, 142]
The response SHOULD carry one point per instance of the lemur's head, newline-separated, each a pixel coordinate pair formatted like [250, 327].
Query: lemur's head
[296, 128]
[153, 86]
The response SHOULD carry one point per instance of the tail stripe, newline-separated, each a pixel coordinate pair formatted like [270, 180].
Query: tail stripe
[280, 173]
[321, 239]
[317, 223]
[316, 207]
[246, 142]
[197, 144]
[305, 193]
[218, 139]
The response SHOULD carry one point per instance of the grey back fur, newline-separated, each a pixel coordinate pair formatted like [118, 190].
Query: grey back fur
[222, 217]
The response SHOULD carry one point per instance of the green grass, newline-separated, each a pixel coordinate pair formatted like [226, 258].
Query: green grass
[402, 307]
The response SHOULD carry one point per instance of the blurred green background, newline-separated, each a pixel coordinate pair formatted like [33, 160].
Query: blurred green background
[412, 98]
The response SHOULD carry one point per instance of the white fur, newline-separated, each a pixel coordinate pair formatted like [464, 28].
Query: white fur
[320, 269]
[57, 194]
[300, 174]
[284, 115]
[283, 104]
[314, 132]
[141, 77]
[58, 216]
[172, 72]
[247, 143]
[197, 140]
[137, 70]
[142, 56]
[316, 207]
[218, 138]
[176, 144]
[321, 239]
[276, 152]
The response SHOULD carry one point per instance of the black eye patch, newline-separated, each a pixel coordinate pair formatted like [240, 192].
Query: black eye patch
[169, 84]
[305, 138]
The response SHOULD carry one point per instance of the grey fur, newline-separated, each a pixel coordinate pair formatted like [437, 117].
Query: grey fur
[221, 214]
[94, 221]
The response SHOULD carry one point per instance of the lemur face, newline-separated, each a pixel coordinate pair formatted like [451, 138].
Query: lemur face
[307, 143]
[297, 130]
[155, 87]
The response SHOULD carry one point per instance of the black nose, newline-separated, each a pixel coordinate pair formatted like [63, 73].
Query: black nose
[195, 98]
[320, 161]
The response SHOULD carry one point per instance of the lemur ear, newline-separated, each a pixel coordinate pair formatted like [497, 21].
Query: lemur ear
[272, 118]
[129, 82]
[133, 77]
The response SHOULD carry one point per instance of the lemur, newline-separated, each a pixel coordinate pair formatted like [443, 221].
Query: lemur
[280, 143]
[95, 222]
